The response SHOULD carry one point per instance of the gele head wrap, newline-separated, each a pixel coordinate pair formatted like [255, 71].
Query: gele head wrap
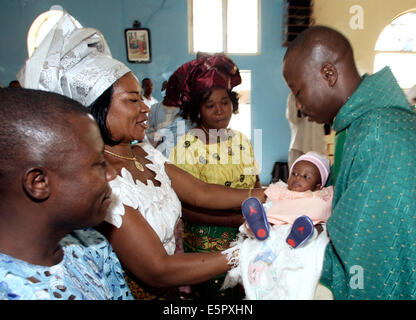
[72, 61]
[198, 75]
[320, 161]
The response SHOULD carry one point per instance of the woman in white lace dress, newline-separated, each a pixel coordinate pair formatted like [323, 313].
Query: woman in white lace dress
[148, 191]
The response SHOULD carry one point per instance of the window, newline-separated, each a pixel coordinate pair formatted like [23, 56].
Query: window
[230, 26]
[42, 25]
[396, 47]
[242, 120]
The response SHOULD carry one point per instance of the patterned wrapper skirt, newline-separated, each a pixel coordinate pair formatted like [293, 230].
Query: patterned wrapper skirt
[198, 238]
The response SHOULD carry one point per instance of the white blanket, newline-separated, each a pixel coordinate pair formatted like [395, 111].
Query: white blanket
[272, 270]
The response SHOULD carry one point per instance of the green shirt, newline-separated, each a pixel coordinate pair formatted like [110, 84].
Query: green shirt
[372, 253]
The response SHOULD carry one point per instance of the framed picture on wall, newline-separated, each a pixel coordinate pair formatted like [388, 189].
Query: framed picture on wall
[138, 45]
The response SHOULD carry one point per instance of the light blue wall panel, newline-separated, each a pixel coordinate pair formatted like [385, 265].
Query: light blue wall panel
[167, 21]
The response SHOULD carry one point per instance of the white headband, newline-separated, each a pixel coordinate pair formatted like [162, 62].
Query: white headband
[72, 61]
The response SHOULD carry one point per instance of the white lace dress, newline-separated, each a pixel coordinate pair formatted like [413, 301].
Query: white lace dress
[159, 205]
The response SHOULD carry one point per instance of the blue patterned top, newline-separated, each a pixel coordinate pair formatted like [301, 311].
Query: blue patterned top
[90, 270]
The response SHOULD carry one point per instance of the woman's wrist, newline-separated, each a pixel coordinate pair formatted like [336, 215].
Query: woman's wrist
[259, 193]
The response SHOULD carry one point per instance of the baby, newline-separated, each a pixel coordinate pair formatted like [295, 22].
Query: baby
[303, 202]
[270, 268]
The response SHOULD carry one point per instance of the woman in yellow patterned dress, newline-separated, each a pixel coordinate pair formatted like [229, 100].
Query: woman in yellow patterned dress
[213, 154]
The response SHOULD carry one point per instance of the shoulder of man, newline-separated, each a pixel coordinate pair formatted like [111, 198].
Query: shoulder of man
[388, 121]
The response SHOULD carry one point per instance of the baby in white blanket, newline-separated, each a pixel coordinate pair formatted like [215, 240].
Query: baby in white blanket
[272, 269]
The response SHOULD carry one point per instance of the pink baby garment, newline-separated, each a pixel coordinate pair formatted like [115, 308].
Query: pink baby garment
[288, 205]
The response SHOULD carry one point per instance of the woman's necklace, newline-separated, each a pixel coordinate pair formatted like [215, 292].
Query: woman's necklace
[205, 130]
[138, 165]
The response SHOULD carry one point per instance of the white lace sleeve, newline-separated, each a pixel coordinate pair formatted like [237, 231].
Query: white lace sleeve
[159, 205]
[123, 194]
[155, 154]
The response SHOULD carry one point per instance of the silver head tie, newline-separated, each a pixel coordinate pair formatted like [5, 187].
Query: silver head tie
[72, 61]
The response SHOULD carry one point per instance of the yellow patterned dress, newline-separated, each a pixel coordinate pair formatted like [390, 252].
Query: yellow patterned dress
[229, 162]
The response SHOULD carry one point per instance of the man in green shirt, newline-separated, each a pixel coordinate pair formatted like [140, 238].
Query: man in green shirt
[372, 253]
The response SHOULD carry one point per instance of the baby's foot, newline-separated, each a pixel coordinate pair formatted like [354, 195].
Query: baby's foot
[301, 232]
[256, 218]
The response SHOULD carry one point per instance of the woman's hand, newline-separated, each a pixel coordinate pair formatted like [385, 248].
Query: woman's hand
[259, 193]
[248, 230]
[141, 252]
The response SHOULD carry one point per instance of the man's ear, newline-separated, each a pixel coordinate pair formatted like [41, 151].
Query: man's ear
[329, 73]
[36, 184]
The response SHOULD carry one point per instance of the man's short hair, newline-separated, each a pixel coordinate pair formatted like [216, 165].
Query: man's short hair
[30, 121]
[332, 39]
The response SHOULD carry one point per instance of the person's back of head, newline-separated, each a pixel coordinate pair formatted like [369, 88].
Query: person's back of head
[14, 84]
[320, 61]
[147, 86]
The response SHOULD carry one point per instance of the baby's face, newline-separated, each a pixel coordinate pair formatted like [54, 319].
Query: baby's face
[304, 176]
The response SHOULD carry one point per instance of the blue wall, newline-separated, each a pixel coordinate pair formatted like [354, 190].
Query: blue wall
[168, 24]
